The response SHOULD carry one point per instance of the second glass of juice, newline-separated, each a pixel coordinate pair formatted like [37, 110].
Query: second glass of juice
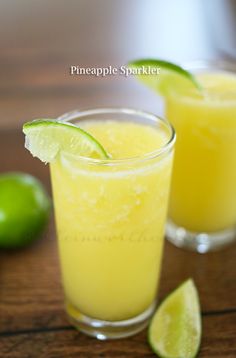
[203, 196]
[110, 217]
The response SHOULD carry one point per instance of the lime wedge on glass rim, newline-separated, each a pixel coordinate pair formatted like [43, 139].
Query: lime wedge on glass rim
[168, 76]
[175, 329]
[46, 138]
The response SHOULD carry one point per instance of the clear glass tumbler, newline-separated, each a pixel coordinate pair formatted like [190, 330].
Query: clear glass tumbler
[202, 213]
[110, 218]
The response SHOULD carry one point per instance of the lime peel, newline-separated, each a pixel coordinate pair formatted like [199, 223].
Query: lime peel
[171, 77]
[46, 138]
[175, 329]
[24, 207]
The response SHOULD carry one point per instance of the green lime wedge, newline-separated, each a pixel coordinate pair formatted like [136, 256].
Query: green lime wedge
[168, 77]
[46, 138]
[175, 329]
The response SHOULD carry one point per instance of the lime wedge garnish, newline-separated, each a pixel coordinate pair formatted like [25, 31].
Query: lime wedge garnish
[169, 77]
[175, 329]
[46, 138]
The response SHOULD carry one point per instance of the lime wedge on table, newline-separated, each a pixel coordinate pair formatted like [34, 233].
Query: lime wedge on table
[170, 77]
[175, 330]
[46, 138]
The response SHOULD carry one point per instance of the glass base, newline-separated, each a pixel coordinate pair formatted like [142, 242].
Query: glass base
[200, 242]
[104, 330]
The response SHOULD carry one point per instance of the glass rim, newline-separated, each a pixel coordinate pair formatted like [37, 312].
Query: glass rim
[202, 64]
[73, 115]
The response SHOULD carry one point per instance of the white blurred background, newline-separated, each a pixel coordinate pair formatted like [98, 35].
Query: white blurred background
[41, 39]
[119, 30]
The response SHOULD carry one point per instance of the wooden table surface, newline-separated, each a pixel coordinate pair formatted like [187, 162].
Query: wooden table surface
[32, 318]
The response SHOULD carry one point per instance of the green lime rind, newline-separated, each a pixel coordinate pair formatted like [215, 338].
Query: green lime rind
[25, 207]
[170, 77]
[175, 329]
[46, 138]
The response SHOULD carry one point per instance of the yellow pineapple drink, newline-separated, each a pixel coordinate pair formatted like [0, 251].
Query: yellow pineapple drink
[110, 217]
[203, 196]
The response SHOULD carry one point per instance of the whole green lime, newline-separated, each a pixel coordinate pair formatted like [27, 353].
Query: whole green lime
[24, 209]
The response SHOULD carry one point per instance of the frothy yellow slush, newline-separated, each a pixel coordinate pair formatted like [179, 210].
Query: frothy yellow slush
[203, 196]
[110, 218]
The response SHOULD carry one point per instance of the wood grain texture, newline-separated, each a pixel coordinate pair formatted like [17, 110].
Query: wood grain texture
[66, 342]
[32, 318]
[35, 84]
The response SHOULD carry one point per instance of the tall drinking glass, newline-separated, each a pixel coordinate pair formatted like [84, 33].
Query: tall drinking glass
[202, 213]
[110, 218]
